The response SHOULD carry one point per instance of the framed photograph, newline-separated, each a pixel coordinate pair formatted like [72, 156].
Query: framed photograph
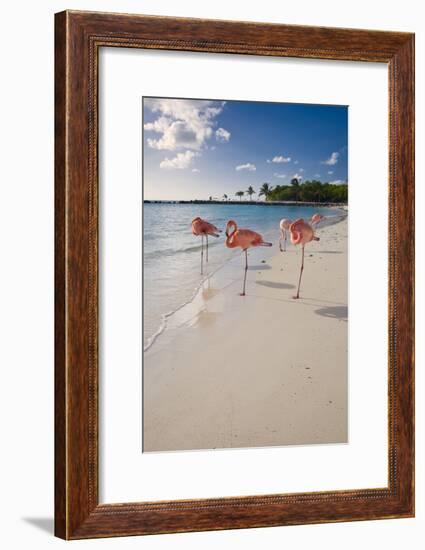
[234, 275]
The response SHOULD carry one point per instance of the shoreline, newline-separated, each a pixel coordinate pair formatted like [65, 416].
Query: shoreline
[184, 385]
[162, 325]
[252, 203]
[187, 303]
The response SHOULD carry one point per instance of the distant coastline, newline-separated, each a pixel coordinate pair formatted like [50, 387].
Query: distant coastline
[251, 203]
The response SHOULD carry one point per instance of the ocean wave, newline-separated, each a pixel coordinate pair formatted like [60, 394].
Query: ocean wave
[165, 316]
[183, 250]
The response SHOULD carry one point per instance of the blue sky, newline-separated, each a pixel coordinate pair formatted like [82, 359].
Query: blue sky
[194, 149]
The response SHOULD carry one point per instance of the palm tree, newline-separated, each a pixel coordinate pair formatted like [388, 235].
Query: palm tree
[240, 194]
[295, 182]
[317, 187]
[265, 190]
[250, 191]
[225, 197]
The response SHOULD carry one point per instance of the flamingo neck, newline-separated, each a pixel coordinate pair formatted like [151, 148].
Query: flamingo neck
[230, 243]
[295, 237]
[231, 225]
[229, 234]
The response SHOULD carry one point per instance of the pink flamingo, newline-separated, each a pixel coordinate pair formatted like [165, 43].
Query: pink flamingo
[284, 229]
[316, 219]
[301, 233]
[244, 238]
[204, 228]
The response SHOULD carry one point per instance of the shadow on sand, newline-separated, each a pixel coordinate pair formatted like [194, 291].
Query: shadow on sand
[271, 284]
[334, 312]
[261, 267]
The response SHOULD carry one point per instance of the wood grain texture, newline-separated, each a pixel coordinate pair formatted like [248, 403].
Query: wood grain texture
[78, 37]
[60, 270]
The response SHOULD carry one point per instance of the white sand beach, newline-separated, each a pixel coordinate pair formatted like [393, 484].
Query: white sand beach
[259, 370]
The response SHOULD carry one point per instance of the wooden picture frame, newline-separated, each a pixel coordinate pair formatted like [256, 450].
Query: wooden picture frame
[78, 38]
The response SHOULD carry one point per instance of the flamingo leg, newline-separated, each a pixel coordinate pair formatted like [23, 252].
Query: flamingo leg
[246, 269]
[301, 272]
[206, 236]
[280, 240]
[286, 238]
[202, 254]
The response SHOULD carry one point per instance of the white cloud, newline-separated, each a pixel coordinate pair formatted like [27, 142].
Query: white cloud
[279, 175]
[248, 166]
[330, 172]
[337, 182]
[222, 135]
[317, 175]
[181, 123]
[296, 161]
[301, 169]
[179, 162]
[279, 159]
[332, 160]
[195, 170]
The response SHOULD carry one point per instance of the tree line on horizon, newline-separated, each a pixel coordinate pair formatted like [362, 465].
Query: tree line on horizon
[308, 191]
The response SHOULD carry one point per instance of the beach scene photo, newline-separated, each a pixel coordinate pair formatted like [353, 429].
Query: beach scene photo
[245, 274]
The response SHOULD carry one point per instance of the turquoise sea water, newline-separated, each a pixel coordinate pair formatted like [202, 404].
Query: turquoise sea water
[171, 254]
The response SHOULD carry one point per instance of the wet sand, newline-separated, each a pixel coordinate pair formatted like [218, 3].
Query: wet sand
[259, 370]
